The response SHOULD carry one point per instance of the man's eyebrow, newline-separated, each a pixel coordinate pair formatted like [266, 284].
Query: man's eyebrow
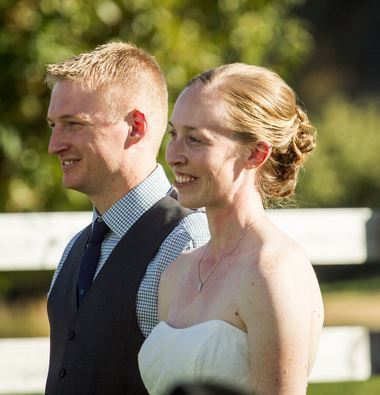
[67, 117]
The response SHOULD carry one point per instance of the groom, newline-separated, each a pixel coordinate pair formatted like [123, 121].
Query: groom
[108, 114]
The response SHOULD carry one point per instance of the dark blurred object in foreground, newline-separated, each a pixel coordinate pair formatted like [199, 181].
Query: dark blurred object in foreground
[205, 389]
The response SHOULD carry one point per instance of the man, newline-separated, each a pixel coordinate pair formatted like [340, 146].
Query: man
[108, 114]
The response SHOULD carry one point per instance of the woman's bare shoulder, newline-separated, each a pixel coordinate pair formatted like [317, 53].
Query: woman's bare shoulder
[280, 304]
[281, 269]
[279, 254]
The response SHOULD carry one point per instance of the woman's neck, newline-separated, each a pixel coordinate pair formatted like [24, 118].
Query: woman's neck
[228, 222]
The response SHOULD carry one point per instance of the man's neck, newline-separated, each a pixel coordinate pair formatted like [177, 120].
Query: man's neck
[113, 193]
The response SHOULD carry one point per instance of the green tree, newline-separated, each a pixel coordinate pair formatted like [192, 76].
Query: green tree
[345, 170]
[185, 36]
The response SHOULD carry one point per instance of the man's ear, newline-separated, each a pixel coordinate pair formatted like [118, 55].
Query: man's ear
[138, 124]
[259, 154]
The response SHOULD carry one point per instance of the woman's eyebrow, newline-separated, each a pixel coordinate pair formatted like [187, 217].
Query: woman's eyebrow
[185, 128]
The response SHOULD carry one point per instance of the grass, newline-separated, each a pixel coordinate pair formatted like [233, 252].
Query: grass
[24, 318]
[351, 308]
[369, 387]
[353, 302]
[349, 302]
[369, 285]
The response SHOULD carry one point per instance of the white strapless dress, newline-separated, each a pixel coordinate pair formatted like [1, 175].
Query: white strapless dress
[212, 351]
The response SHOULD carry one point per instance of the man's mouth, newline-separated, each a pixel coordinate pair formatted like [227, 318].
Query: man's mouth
[69, 162]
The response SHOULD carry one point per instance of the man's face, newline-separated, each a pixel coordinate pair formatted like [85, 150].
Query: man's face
[90, 148]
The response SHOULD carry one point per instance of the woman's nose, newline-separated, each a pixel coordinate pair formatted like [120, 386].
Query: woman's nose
[175, 154]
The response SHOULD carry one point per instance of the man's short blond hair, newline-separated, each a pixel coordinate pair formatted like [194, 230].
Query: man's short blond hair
[127, 74]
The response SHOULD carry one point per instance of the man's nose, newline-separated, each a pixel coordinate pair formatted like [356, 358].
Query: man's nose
[57, 142]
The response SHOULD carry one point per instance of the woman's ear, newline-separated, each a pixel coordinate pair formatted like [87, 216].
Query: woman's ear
[259, 154]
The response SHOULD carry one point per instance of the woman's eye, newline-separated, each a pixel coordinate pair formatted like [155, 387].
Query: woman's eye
[171, 133]
[192, 139]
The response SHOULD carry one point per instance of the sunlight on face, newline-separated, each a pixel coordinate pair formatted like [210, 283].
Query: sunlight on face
[203, 155]
[89, 148]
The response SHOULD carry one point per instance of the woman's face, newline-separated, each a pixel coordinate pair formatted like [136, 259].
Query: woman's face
[204, 156]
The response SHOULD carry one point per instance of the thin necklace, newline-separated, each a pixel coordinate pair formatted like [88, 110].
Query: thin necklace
[241, 237]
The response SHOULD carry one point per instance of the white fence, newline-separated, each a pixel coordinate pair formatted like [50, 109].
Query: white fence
[329, 236]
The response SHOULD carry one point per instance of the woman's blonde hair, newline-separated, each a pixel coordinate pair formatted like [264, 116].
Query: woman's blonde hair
[262, 107]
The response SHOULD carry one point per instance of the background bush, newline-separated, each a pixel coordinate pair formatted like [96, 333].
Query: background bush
[187, 37]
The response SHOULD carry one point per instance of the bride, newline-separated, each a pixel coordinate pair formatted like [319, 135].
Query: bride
[245, 310]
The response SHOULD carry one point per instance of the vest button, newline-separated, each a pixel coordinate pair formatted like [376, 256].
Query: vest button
[71, 335]
[62, 373]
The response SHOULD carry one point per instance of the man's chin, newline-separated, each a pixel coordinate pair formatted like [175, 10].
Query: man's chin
[67, 184]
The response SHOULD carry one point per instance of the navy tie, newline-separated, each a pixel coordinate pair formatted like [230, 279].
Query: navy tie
[90, 258]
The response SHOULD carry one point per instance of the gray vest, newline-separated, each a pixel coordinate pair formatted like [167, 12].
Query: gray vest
[93, 348]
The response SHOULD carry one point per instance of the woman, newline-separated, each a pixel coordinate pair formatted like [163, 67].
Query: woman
[244, 310]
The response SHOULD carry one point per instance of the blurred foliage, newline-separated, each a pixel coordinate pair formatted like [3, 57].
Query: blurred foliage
[344, 170]
[186, 37]
[16, 284]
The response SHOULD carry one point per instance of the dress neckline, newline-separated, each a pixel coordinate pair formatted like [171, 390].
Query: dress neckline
[205, 323]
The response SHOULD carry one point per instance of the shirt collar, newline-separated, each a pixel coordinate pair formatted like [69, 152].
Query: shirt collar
[126, 211]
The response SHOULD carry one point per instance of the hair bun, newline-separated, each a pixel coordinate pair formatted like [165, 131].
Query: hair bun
[304, 140]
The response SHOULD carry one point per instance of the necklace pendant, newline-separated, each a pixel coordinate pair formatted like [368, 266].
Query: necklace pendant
[200, 286]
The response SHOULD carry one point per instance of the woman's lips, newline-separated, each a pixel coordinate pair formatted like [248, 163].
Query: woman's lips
[183, 179]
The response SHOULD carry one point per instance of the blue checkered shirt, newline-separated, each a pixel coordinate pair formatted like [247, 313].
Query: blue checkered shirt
[191, 232]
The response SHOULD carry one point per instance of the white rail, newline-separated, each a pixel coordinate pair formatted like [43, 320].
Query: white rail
[330, 236]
